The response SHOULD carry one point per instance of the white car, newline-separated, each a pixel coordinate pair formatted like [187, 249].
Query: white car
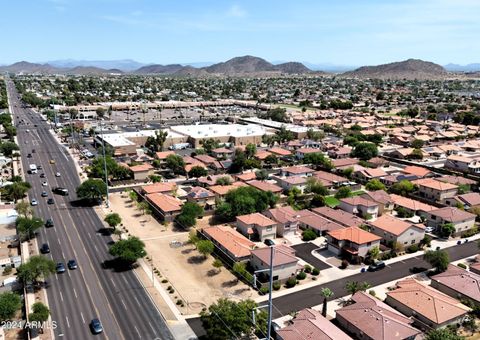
[57, 174]
[429, 229]
[44, 184]
[33, 202]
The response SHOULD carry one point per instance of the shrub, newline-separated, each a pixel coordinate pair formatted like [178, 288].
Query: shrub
[412, 249]
[179, 302]
[372, 292]
[344, 264]
[302, 275]
[291, 282]
[264, 290]
[461, 265]
[315, 271]
[276, 285]
[307, 269]
[164, 281]
[314, 278]
[309, 235]
[470, 232]
[7, 270]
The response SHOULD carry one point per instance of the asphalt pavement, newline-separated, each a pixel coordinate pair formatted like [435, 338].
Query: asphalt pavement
[118, 299]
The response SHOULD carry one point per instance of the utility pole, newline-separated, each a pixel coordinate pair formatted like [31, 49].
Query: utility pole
[270, 284]
[104, 164]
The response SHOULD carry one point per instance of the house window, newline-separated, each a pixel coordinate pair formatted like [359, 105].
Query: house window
[269, 228]
[411, 233]
[405, 242]
[369, 244]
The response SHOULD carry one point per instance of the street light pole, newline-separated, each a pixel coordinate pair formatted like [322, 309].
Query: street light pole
[104, 164]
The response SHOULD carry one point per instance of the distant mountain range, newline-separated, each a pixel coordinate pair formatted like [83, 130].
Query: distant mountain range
[241, 66]
[408, 69]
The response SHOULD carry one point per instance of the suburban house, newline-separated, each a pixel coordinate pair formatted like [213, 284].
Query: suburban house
[329, 180]
[358, 205]
[434, 190]
[246, 176]
[309, 220]
[368, 174]
[311, 324]
[413, 206]
[461, 220]
[300, 153]
[352, 243]
[287, 183]
[286, 218]
[418, 171]
[202, 197]
[458, 283]
[265, 186]
[428, 307]
[280, 152]
[162, 187]
[166, 206]
[383, 199]
[370, 318]
[463, 164]
[339, 152]
[298, 170]
[162, 155]
[212, 179]
[230, 242]
[466, 201]
[339, 216]
[141, 171]
[285, 264]
[257, 225]
[392, 229]
[222, 153]
[344, 163]
[221, 190]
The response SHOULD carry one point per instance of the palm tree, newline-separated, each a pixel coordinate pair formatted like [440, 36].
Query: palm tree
[354, 286]
[326, 293]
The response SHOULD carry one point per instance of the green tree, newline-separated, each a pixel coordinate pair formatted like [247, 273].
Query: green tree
[317, 158]
[176, 164]
[35, 268]
[403, 188]
[374, 184]
[416, 154]
[9, 304]
[7, 148]
[24, 209]
[28, 226]
[343, 192]
[238, 163]
[205, 247]
[354, 286]
[218, 264]
[189, 214]
[250, 150]
[114, 170]
[326, 293]
[16, 190]
[315, 135]
[283, 135]
[113, 220]
[271, 159]
[417, 144]
[438, 259]
[100, 112]
[317, 201]
[197, 171]
[93, 189]
[157, 142]
[129, 250]
[374, 252]
[365, 151]
[347, 172]
[316, 187]
[309, 235]
[209, 144]
[261, 175]
[193, 237]
[442, 334]
[228, 319]
[224, 180]
[40, 313]
[143, 206]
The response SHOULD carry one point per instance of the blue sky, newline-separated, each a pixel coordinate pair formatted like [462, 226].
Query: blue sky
[342, 32]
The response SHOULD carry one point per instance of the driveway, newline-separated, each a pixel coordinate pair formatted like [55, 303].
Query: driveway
[304, 251]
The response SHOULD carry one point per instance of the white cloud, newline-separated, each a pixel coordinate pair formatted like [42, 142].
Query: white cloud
[236, 11]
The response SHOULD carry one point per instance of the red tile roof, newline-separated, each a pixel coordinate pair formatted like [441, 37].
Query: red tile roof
[354, 234]
[231, 240]
[165, 203]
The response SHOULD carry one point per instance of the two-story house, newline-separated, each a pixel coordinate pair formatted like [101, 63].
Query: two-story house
[392, 229]
[352, 243]
[257, 225]
[461, 220]
[434, 190]
[358, 205]
[285, 264]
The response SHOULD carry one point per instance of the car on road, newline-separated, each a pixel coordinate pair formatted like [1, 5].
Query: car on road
[33, 150]
[44, 194]
[39, 167]
[57, 174]
[50, 201]
[29, 155]
[49, 223]
[269, 242]
[376, 266]
[34, 201]
[429, 229]
[52, 161]
[60, 191]
[44, 184]
[60, 268]
[45, 249]
[96, 326]
[72, 264]
[42, 175]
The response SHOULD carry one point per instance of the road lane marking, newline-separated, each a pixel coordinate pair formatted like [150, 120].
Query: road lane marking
[81, 315]
[75, 293]
[151, 327]
[113, 283]
[124, 305]
[61, 295]
[138, 302]
[95, 246]
[136, 329]
[63, 254]
[68, 323]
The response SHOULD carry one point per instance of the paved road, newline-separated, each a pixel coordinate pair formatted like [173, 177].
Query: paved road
[117, 299]
[304, 251]
[311, 296]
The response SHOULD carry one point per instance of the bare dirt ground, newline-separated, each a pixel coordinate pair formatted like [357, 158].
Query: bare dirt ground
[192, 277]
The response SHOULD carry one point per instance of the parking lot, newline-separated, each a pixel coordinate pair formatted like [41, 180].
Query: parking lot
[304, 251]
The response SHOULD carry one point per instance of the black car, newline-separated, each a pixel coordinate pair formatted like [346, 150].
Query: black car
[60, 191]
[96, 326]
[269, 242]
[33, 150]
[72, 264]
[60, 268]
[376, 266]
[42, 175]
[50, 201]
[49, 223]
[39, 167]
[29, 155]
[44, 249]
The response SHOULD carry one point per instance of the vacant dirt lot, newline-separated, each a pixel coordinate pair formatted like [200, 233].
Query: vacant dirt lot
[193, 278]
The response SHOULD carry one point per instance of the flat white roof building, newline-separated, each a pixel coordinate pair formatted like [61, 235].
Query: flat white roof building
[221, 130]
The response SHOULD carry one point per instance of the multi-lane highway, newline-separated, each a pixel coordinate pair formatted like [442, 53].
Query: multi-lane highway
[117, 298]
